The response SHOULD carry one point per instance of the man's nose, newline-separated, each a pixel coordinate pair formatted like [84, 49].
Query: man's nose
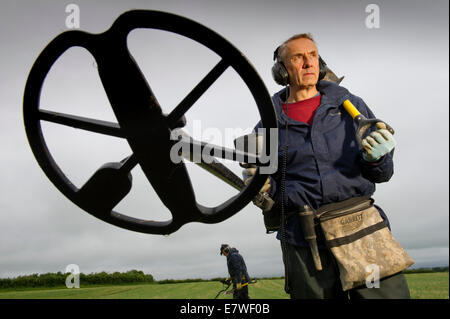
[307, 62]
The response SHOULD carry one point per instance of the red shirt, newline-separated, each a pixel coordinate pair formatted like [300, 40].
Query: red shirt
[303, 111]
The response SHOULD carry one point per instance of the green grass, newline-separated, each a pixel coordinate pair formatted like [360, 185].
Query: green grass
[428, 285]
[422, 286]
[264, 289]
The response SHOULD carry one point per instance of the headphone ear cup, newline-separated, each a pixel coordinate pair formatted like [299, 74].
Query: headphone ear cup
[280, 74]
[323, 68]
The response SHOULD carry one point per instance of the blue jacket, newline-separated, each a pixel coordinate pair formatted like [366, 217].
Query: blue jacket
[236, 267]
[324, 162]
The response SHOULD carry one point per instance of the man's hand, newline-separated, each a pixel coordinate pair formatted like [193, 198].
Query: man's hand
[378, 143]
[262, 200]
[248, 174]
[226, 281]
[238, 286]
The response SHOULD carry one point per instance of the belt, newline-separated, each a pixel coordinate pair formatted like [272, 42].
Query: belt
[347, 206]
[335, 209]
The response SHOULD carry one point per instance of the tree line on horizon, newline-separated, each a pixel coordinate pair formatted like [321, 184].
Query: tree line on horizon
[130, 277]
[59, 279]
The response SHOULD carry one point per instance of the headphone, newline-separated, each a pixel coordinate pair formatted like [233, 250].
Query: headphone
[281, 75]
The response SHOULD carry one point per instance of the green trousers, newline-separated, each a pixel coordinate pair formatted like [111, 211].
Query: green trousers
[305, 282]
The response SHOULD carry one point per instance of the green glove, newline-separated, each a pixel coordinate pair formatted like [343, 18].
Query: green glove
[377, 144]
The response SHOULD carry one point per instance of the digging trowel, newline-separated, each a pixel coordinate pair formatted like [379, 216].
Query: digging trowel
[364, 123]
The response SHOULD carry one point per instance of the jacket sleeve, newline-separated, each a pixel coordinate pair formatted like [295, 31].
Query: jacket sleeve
[382, 170]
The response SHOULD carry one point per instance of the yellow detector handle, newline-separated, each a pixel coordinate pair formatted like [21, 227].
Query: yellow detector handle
[363, 123]
[351, 109]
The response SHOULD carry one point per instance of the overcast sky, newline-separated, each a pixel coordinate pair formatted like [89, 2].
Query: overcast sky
[400, 69]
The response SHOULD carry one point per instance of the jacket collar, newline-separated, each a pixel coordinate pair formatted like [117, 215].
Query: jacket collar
[333, 96]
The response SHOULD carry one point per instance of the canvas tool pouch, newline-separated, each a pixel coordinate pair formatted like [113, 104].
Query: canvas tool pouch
[358, 238]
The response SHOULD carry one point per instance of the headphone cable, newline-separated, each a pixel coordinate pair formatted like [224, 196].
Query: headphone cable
[283, 208]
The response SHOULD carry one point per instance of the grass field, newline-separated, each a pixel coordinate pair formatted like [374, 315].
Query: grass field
[422, 286]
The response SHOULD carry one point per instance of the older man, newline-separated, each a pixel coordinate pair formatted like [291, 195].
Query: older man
[323, 165]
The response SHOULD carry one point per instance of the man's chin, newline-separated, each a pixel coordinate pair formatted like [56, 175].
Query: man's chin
[307, 85]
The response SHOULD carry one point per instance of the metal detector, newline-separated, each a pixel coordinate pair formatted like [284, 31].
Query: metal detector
[142, 123]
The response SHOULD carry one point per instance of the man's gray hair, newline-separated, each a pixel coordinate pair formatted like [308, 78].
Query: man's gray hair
[282, 47]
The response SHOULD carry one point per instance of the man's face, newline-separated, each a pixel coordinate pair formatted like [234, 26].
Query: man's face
[301, 59]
